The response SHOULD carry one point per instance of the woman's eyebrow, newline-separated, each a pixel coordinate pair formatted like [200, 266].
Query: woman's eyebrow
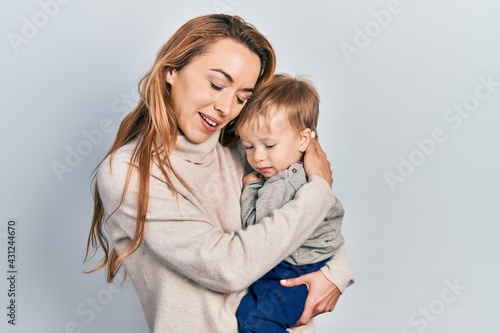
[230, 78]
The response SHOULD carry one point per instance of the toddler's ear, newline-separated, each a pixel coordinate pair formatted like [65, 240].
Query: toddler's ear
[305, 138]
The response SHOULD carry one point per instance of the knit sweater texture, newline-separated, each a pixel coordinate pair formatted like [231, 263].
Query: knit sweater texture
[196, 261]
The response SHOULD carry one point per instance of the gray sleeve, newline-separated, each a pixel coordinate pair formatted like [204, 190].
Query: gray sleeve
[248, 200]
[273, 195]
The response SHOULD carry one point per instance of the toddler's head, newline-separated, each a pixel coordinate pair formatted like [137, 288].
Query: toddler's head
[276, 124]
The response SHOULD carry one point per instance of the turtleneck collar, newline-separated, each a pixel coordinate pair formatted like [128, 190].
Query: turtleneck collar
[195, 152]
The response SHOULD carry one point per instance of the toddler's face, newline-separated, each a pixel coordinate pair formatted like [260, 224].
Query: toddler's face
[270, 150]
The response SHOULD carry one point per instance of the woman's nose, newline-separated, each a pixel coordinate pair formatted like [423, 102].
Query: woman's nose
[224, 103]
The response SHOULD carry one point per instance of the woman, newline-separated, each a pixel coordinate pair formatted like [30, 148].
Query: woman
[168, 191]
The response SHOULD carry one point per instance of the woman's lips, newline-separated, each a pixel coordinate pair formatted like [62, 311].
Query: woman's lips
[209, 123]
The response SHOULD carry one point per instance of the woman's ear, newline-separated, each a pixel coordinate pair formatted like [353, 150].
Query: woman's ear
[171, 75]
[305, 138]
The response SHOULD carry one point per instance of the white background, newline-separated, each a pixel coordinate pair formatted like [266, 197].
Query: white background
[423, 246]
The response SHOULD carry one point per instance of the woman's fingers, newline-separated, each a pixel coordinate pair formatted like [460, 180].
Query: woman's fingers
[322, 294]
[316, 162]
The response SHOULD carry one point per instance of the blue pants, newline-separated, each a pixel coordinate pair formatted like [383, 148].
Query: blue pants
[271, 308]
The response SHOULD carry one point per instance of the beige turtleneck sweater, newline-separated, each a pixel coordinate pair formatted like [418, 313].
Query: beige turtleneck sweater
[196, 262]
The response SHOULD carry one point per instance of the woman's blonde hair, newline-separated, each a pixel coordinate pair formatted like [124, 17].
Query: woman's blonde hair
[153, 122]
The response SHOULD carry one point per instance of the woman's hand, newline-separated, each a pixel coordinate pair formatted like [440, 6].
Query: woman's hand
[322, 295]
[316, 162]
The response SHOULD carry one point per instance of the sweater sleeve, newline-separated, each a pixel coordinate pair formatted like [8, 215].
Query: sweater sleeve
[338, 271]
[248, 199]
[182, 237]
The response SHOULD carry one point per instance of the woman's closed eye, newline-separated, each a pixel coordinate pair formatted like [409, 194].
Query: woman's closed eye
[239, 99]
[216, 87]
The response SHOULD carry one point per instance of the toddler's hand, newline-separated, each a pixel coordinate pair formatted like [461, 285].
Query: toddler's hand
[252, 176]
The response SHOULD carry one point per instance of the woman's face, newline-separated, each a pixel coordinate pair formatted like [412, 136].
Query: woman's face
[211, 90]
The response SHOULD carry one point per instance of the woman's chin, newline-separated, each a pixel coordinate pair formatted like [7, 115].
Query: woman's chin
[198, 137]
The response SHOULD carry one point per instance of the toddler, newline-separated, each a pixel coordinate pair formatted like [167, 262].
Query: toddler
[275, 127]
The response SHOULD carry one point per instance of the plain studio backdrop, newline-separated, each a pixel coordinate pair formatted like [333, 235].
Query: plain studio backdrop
[410, 96]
